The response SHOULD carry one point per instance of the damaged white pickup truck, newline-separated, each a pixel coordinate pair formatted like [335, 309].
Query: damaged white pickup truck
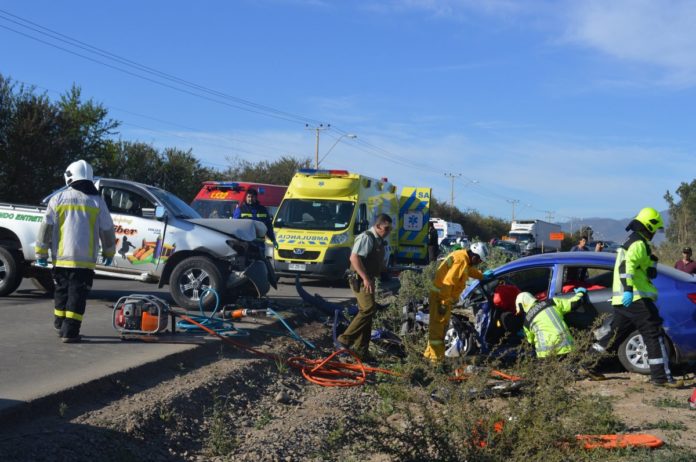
[159, 238]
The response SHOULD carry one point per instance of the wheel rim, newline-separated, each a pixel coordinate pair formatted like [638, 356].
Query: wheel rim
[452, 336]
[636, 353]
[3, 270]
[193, 283]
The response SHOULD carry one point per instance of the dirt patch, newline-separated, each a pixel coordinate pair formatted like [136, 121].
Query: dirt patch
[645, 408]
[239, 407]
[236, 408]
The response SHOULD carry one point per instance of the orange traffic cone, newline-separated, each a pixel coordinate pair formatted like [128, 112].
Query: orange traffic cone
[692, 400]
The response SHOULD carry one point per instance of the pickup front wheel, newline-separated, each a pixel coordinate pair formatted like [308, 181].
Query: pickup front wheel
[189, 280]
[10, 272]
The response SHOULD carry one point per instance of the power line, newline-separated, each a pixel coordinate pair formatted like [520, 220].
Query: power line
[253, 107]
[239, 103]
[164, 79]
[175, 124]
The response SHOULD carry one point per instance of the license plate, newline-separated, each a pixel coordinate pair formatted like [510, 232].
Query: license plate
[297, 267]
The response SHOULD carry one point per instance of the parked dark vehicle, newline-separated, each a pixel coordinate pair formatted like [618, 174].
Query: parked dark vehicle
[512, 249]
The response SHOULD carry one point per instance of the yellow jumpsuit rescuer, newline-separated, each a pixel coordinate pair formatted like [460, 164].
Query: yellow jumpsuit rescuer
[450, 281]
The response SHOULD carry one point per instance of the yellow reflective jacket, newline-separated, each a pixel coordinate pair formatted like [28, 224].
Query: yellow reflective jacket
[73, 226]
[452, 274]
[633, 259]
[545, 327]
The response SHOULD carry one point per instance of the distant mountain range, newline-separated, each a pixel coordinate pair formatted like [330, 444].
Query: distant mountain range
[609, 229]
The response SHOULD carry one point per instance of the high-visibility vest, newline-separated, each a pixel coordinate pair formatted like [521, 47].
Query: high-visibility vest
[545, 327]
[631, 270]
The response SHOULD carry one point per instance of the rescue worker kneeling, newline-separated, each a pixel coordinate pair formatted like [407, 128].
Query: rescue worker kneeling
[544, 325]
[450, 281]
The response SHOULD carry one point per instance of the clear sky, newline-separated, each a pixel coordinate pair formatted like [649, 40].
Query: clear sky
[581, 108]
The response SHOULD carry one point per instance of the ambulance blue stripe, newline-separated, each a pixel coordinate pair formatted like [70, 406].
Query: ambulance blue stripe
[408, 203]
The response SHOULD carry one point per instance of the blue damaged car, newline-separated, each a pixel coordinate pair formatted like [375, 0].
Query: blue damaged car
[556, 274]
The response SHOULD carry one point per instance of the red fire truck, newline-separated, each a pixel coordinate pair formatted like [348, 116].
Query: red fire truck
[218, 199]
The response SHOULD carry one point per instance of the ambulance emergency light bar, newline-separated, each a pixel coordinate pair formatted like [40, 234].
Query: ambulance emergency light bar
[314, 171]
[222, 185]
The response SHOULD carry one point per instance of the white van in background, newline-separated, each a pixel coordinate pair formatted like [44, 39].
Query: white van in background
[448, 230]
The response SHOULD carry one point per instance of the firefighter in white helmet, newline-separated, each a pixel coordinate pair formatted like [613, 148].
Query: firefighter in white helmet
[544, 325]
[76, 220]
[450, 281]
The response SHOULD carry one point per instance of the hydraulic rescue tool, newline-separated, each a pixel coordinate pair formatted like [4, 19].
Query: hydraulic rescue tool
[142, 315]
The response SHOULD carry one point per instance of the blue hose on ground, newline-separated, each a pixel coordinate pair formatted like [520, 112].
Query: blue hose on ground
[293, 334]
[224, 328]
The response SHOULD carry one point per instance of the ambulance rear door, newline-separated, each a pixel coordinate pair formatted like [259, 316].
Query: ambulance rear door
[414, 214]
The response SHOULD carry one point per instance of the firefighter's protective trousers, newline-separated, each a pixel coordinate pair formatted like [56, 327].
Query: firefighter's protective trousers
[642, 315]
[450, 281]
[440, 314]
[72, 288]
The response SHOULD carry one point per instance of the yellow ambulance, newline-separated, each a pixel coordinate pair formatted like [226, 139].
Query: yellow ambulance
[323, 211]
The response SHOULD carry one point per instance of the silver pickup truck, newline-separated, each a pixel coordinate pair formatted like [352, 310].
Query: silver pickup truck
[159, 238]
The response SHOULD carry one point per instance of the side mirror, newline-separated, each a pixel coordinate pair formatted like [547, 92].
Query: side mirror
[160, 212]
[364, 225]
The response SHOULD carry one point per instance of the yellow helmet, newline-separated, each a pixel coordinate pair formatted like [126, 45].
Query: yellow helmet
[651, 219]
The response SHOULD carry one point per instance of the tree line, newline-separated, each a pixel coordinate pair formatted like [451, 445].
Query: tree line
[39, 138]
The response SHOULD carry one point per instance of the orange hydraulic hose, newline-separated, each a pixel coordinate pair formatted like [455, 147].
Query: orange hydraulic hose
[324, 372]
[460, 376]
[327, 372]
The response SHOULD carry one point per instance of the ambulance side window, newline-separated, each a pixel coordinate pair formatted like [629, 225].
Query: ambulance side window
[126, 202]
[361, 223]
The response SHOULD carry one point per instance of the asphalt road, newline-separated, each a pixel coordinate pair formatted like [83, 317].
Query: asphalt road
[35, 364]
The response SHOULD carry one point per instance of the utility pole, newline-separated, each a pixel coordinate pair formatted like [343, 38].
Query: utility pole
[549, 215]
[452, 177]
[514, 202]
[318, 129]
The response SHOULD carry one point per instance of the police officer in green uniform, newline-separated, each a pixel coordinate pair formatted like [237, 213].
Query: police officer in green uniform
[634, 297]
[366, 264]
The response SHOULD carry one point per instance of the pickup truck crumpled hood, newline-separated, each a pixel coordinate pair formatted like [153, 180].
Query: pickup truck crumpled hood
[244, 229]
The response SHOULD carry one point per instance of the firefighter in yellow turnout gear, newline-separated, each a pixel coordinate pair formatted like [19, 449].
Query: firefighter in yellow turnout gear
[448, 285]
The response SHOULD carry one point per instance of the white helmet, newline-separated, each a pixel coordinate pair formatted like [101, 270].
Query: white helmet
[524, 302]
[480, 249]
[78, 170]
